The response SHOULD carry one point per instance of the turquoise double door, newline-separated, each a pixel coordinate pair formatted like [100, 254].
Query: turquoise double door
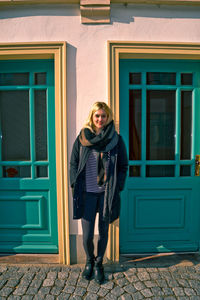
[28, 203]
[160, 123]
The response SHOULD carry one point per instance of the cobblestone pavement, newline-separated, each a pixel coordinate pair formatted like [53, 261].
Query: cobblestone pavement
[169, 278]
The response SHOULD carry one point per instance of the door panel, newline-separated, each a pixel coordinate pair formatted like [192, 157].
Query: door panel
[28, 204]
[161, 198]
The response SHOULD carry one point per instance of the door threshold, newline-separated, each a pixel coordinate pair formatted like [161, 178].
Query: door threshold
[10, 258]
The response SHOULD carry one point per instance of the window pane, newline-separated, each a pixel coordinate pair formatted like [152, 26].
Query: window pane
[14, 79]
[40, 125]
[134, 124]
[135, 78]
[134, 171]
[186, 124]
[14, 118]
[40, 78]
[161, 78]
[42, 171]
[186, 78]
[185, 171]
[17, 171]
[160, 125]
[160, 171]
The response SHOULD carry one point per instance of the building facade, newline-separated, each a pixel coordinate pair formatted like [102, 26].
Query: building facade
[56, 59]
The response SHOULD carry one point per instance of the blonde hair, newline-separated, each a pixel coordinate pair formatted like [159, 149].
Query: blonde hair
[96, 106]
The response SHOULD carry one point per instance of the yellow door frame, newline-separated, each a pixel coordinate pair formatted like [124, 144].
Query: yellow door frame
[56, 51]
[137, 50]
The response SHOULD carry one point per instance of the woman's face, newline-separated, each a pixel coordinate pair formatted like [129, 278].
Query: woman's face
[99, 119]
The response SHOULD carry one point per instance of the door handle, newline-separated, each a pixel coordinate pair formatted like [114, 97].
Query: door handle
[197, 165]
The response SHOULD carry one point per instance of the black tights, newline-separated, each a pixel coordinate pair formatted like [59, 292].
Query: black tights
[93, 204]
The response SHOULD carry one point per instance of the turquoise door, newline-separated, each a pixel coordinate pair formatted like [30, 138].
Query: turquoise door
[28, 205]
[160, 122]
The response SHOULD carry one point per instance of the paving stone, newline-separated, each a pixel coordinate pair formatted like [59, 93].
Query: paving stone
[118, 275]
[44, 290]
[6, 291]
[80, 291]
[69, 289]
[40, 276]
[83, 282]
[109, 276]
[108, 285]
[3, 269]
[63, 296]
[102, 292]
[63, 275]
[36, 283]
[52, 275]
[178, 291]
[12, 282]
[91, 296]
[138, 296]
[139, 285]
[170, 298]
[48, 282]
[193, 283]
[143, 276]
[150, 283]
[60, 282]
[32, 291]
[154, 276]
[93, 287]
[172, 283]
[147, 293]
[38, 297]
[162, 283]
[194, 297]
[157, 291]
[125, 297]
[27, 297]
[132, 278]
[167, 291]
[117, 291]
[49, 297]
[184, 283]
[75, 298]
[110, 296]
[11, 297]
[20, 290]
[2, 282]
[130, 289]
[71, 281]
[189, 291]
[122, 282]
[56, 290]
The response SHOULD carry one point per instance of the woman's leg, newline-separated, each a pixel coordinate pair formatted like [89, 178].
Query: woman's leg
[103, 230]
[88, 223]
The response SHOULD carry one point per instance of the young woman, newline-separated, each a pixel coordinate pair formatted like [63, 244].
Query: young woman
[98, 168]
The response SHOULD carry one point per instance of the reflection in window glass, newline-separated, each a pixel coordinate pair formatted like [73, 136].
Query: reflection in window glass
[135, 124]
[135, 78]
[161, 78]
[185, 171]
[160, 125]
[17, 171]
[134, 171]
[186, 78]
[40, 78]
[7, 79]
[186, 124]
[160, 171]
[41, 171]
[40, 125]
[14, 116]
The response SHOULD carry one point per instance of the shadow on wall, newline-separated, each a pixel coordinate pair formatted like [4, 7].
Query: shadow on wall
[39, 10]
[126, 13]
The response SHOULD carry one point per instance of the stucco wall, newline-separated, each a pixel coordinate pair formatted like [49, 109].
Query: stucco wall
[87, 45]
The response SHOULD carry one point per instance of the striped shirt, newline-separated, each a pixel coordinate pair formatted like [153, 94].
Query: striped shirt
[91, 174]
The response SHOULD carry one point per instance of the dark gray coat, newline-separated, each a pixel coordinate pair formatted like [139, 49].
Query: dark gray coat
[117, 170]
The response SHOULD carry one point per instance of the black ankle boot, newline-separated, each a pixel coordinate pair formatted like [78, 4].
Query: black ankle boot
[99, 272]
[88, 271]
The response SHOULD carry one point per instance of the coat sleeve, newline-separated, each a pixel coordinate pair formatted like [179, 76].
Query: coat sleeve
[74, 161]
[122, 164]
